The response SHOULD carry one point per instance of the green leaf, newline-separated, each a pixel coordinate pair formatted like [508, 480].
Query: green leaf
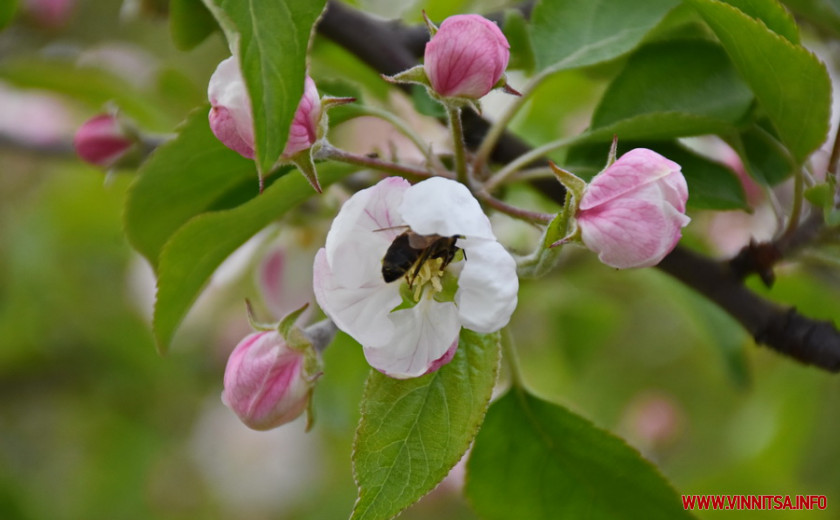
[537, 460]
[194, 252]
[271, 38]
[656, 96]
[570, 33]
[413, 431]
[190, 23]
[773, 14]
[825, 14]
[8, 10]
[791, 85]
[184, 177]
[764, 157]
[521, 50]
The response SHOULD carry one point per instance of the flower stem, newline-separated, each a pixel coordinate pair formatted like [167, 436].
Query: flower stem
[459, 147]
[513, 211]
[523, 160]
[796, 210]
[498, 127]
[512, 361]
[403, 128]
[328, 151]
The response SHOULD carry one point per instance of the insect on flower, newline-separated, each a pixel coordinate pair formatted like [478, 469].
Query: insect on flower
[410, 249]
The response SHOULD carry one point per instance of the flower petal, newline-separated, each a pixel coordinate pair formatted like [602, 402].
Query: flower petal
[426, 333]
[632, 170]
[363, 230]
[360, 311]
[487, 287]
[632, 232]
[444, 207]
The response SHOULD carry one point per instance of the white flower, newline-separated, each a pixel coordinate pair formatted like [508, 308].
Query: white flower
[422, 334]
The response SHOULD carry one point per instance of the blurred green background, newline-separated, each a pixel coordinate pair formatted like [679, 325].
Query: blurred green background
[94, 424]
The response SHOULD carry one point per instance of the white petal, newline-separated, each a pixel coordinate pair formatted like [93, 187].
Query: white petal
[227, 89]
[362, 231]
[425, 333]
[444, 207]
[487, 287]
[360, 311]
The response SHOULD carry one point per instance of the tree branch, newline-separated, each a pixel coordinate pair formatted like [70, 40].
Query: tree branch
[390, 47]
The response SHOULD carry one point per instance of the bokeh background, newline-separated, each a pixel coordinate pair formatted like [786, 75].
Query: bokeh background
[95, 424]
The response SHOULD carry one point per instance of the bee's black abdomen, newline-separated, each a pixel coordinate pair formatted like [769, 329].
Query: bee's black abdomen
[398, 259]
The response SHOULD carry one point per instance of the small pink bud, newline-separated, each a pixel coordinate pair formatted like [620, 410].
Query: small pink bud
[230, 113]
[266, 381]
[466, 57]
[304, 129]
[102, 141]
[632, 213]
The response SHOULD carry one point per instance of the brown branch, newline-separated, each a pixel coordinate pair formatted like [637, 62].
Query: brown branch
[390, 47]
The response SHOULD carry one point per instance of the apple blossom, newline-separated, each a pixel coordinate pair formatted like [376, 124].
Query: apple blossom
[102, 141]
[267, 381]
[632, 213]
[466, 57]
[409, 329]
[232, 121]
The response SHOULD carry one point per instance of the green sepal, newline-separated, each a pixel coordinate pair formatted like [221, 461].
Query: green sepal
[303, 161]
[574, 184]
[291, 333]
[254, 323]
[820, 196]
[416, 74]
[433, 29]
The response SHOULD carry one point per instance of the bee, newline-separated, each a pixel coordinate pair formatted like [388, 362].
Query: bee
[411, 250]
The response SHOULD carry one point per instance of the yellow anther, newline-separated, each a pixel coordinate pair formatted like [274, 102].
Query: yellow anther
[429, 275]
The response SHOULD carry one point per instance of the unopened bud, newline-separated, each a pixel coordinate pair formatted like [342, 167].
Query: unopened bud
[632, 213]
[466, 57]
[102, 141]
[267, 382]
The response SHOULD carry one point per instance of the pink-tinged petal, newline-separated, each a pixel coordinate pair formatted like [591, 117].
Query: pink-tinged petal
[632, 233]
[265, 383]
[304, 129]
[632, 170]
[445, 359]
[230, 117]
[444, 207]
[224, 128]
[487, 287]
[363, 230]
[466, 57]
[426, 332]
[360, 311]
[101, 141]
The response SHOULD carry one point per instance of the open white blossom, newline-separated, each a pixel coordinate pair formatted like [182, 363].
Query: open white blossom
[410, 326]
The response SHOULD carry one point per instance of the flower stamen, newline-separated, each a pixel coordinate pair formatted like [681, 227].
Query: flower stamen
[429, 274]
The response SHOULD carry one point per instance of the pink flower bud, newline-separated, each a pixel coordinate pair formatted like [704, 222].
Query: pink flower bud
[101, 141]
[231, 119]
[304, 129]
[631, 213]
[266, 381]
[230, 113]
[466, 57]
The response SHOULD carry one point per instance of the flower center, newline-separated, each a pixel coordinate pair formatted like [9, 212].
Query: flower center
[429, 276]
